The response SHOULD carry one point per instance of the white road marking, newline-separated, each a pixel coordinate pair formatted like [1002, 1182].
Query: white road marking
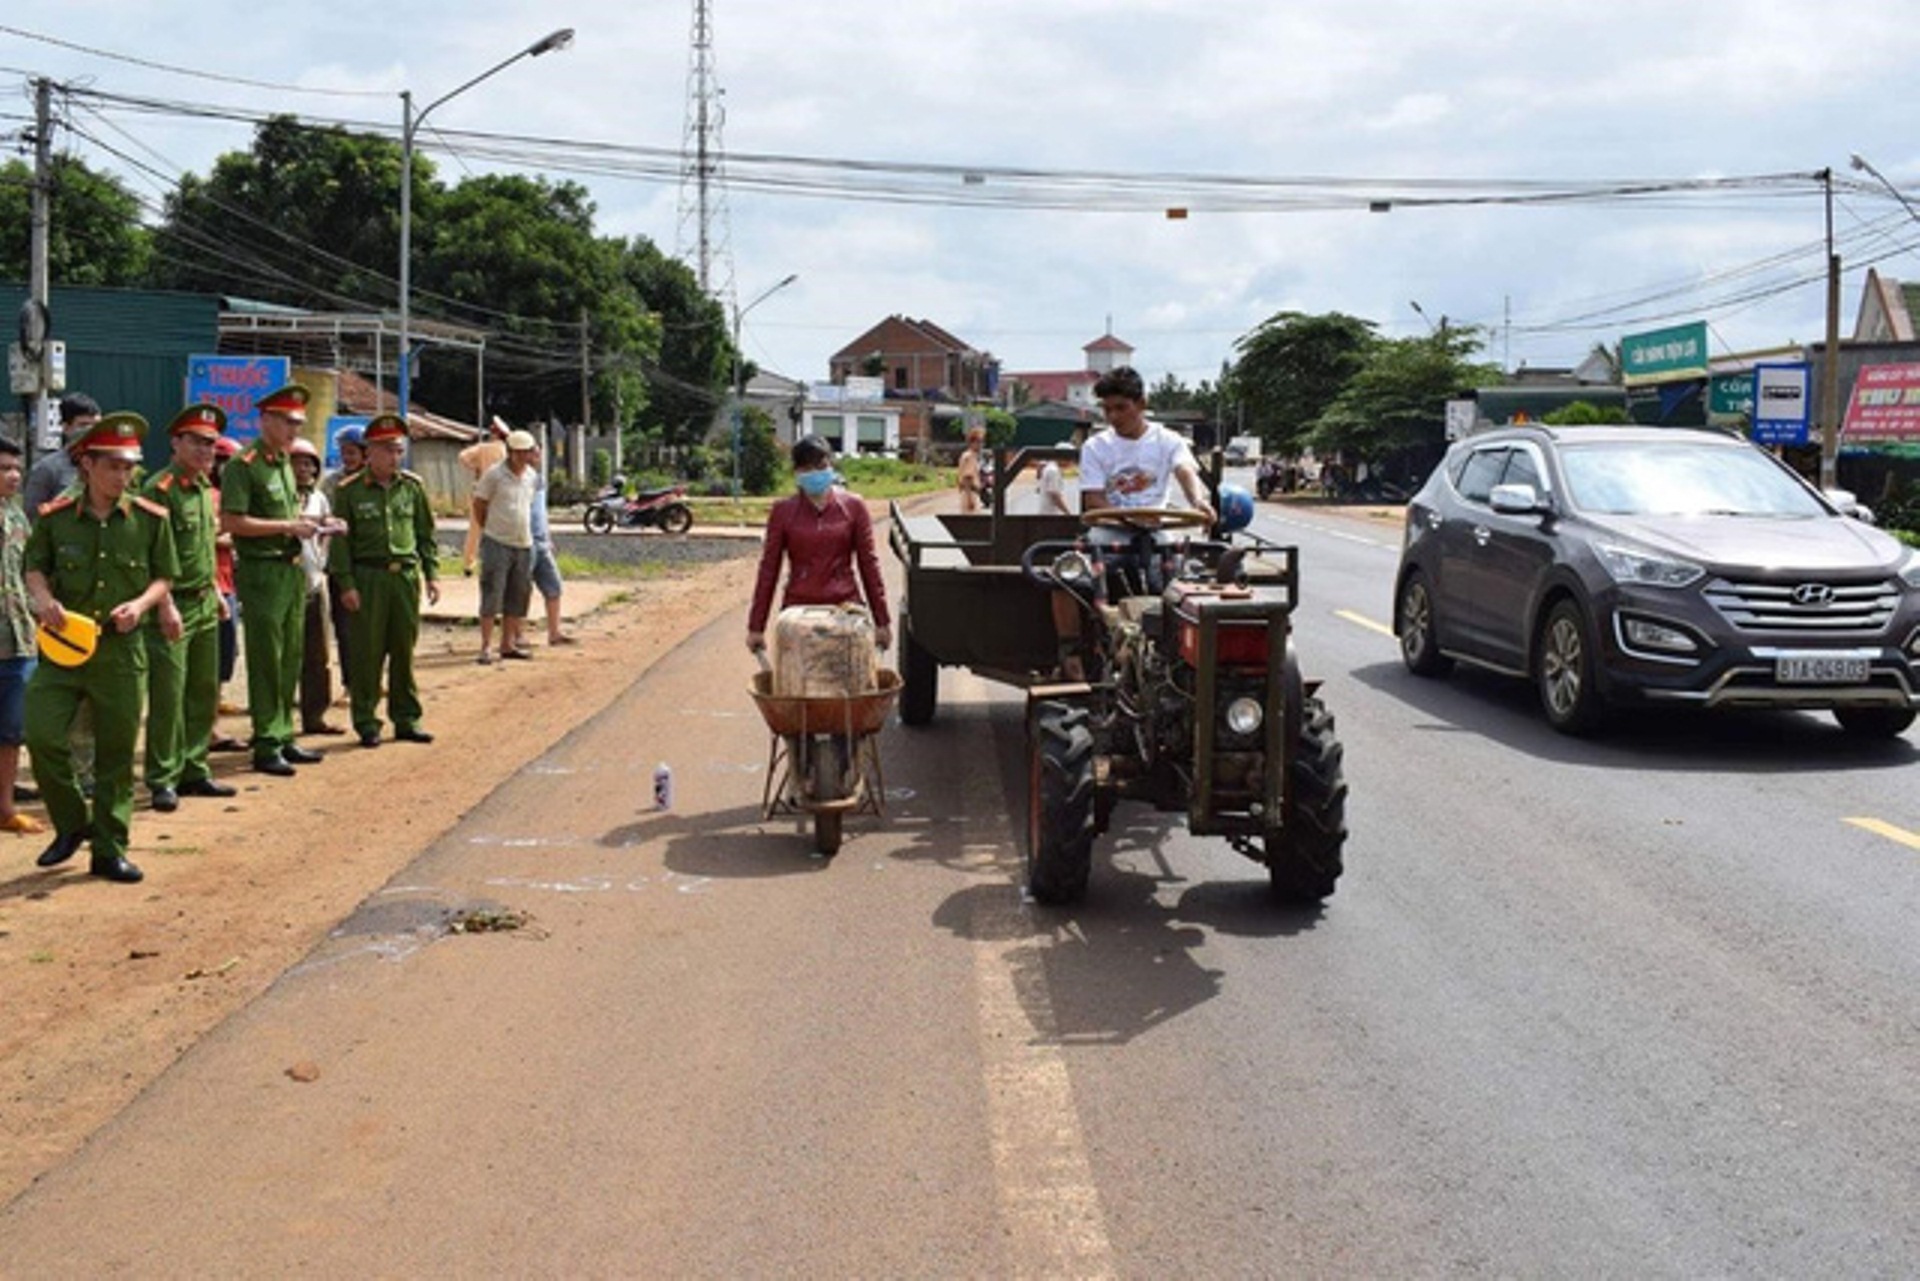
[1341, 534]
[1049, 1205]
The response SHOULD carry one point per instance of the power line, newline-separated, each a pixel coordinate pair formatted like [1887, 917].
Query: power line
[198, 73]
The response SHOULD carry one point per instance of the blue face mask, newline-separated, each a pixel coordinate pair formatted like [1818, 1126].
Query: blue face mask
[815, 483]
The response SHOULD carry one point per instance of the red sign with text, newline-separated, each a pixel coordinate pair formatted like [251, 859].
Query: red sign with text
[1885, 405]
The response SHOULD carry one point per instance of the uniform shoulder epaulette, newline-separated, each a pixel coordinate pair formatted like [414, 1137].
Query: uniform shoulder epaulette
[150, 507]
[351, 478]
[165, 482]
[413, 476]
[248, 454]
[60, 503]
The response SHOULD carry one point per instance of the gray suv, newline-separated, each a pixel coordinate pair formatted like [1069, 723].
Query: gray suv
[1622, 565]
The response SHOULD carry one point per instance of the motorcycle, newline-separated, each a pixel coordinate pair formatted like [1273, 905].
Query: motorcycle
[664, 509]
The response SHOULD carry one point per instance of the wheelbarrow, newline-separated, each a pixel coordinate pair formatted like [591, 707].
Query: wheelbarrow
[824, 758]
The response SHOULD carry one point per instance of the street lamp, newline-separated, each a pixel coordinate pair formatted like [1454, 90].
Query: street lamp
[409, 126]
[740, 373]
[1861, 165]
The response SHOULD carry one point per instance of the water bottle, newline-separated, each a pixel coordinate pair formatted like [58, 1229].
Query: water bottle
[663, 786]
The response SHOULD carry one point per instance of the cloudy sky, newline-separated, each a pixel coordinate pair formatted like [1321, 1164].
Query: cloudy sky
[1355, 103]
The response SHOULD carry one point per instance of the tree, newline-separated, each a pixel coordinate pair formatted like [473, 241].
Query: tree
[695, 370]
[521, 253]
[94, 233]
[1293, 367]
[308, 217]
[1398, 398]
[1583, 413]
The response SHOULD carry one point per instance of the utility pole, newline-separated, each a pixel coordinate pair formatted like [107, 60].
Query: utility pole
[586, 374]
[1830, 366]
[38, 284]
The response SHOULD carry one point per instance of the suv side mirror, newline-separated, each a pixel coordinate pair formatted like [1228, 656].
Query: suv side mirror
[1517, 500]
[1848, 504]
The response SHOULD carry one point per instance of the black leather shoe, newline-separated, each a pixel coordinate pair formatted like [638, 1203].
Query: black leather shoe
[21, 792]
[166, 800]
[275, 766]
[299, 755]
[115, 869]
[413, 736]
[370, 739]
[207, 787]
[61, 848]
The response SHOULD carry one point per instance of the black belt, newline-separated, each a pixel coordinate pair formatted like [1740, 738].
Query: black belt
[391, 566]
[282, 559]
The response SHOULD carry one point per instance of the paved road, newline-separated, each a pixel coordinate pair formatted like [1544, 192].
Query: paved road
[1641, 1007]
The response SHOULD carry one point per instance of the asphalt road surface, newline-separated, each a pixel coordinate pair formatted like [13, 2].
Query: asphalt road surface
[1648, 1006]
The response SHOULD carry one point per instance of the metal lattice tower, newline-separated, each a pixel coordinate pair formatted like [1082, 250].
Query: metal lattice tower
[705, 235]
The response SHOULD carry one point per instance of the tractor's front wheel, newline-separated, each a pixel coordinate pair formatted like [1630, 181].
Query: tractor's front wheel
[1304, 852]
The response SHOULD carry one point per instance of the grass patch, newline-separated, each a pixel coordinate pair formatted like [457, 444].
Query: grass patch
[574, 566]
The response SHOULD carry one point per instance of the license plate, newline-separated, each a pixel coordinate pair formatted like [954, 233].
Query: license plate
[1819, 670]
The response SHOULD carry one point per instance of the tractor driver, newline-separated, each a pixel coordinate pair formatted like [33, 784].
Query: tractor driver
[1127, 465]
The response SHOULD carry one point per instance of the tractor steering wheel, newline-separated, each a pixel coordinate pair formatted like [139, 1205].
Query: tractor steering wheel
[1143, 518]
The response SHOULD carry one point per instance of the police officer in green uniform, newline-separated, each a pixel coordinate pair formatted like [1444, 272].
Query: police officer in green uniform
[378, 565]
[183, 641]
[260, 508]
[108, 555]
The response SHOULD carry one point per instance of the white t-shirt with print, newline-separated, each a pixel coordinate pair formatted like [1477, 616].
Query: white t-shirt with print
[1134, 473]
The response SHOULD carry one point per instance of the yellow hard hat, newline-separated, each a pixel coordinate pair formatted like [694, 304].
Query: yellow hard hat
[73, 644]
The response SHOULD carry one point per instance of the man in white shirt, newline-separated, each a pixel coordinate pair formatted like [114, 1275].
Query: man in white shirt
[503, 504]
[1129, 464]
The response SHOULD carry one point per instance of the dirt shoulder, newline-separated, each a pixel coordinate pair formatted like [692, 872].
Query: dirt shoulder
[105, 985]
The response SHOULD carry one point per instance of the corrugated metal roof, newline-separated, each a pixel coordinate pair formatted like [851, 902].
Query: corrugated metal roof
[126, 322]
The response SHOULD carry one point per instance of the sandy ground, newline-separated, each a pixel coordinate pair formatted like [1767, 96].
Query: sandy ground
[105, 985]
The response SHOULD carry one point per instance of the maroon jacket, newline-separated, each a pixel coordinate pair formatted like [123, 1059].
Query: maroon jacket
[821, 546]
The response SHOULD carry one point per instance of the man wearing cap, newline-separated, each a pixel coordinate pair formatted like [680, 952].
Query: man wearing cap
[183, 641]
[106, 556]
[503, 503]
[260, 507]
[379, 562]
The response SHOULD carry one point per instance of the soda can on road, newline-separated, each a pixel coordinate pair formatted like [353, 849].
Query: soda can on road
[663, 786]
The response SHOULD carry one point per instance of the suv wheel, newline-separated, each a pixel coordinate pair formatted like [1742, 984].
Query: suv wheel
[1419, 629]
[1564, 671]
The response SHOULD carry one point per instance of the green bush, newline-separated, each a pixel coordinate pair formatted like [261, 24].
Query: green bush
[564, 491]
[600, 468]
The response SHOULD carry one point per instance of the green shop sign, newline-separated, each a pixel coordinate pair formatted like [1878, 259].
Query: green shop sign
[1665, 355]
[1731, 395]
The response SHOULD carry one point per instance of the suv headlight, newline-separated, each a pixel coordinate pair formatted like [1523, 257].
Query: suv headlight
[1910, 572]
[1648, 569]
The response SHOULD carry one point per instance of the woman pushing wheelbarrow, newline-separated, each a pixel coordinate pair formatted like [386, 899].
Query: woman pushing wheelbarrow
[825, 695]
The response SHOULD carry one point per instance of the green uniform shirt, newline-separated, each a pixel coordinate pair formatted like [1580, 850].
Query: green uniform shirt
[388, 524]
[94, 565]
[257, 482]
[189, 504]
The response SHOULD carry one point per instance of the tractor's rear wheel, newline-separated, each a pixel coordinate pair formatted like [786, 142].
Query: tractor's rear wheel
[1060, 801]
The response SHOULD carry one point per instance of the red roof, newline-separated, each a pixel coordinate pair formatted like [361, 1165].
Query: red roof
[1107, 342]
[1055, 385]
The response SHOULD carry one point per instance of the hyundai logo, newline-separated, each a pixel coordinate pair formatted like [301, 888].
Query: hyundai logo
[1817, 595]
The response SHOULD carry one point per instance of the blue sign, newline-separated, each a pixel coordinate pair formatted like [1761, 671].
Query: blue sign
[1780, 402]
[234, 383]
